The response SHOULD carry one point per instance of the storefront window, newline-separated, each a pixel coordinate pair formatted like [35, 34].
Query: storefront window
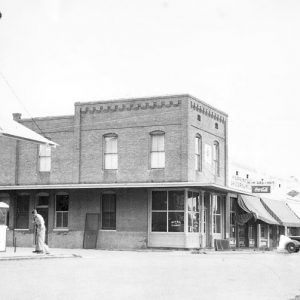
[216, 207]
[233, 204]
[168, 211]
[22, 212]
[193, 211]
[264, 231]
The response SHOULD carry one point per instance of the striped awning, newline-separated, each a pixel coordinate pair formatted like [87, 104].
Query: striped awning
[281, 212]
[253, 205]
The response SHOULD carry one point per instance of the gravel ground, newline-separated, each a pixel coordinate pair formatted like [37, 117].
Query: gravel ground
[153, 275]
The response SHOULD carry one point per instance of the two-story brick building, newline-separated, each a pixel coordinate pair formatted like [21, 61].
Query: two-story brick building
[132, 173]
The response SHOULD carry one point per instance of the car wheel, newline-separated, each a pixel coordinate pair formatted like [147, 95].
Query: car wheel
[297, 250]
[291, 247]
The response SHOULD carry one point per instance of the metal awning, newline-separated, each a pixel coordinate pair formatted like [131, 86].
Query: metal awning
[13, 129]
[253, 205]
[281, 212]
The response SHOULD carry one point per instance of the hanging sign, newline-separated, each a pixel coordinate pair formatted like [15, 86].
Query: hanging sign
[261, 189]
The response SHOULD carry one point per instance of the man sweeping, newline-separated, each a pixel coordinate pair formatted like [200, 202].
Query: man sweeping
[40, 229]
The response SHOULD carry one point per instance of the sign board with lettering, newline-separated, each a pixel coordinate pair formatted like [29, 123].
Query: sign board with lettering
[261, 189]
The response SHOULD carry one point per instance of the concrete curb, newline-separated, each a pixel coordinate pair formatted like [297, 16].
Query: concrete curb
[47, 256]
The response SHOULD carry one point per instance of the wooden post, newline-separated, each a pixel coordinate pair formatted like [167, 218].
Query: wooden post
[258, 236]
[227, 217]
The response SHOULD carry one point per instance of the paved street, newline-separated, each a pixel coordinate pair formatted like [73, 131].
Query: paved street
[153, 275]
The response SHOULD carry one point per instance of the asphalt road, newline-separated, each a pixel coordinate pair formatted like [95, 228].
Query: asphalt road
[154, 275]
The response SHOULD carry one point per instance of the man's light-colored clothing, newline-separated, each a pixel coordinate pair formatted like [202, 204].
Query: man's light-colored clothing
[40, 234]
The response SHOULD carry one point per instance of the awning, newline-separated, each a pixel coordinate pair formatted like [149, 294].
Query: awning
[281, 211]
[13, 129]
[295, 207]
[253, 205]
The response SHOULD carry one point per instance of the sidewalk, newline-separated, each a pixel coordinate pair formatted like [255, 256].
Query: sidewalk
[26, 253]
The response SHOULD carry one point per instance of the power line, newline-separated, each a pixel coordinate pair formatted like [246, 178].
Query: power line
[18, 99]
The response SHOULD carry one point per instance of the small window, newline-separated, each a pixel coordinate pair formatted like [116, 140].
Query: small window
[44, 158]
[111, 152]
[157, 150]
[22, 212]
[216, 125]
[109, 211]
[62, 211]
[198, 117]
[236, 173]
[247, 176]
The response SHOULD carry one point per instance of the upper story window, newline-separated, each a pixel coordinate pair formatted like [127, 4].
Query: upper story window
[61, 211]
[216, 158]
[44, 158]
[216, 125]
[198, 153]
[157, 150]
[111, 152]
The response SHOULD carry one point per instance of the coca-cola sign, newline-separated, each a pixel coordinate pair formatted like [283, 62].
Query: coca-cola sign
[261, 189]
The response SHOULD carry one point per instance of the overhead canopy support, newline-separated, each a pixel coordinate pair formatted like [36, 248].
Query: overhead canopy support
[13, 129]
[253, 205]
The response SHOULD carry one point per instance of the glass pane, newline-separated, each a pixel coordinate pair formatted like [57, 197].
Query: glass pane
[62, 202]
[197, 145]
[65, 218]
[108, 220]
[158, 143]
[44, 150]
[193, 219]
[159, 221]
[197, 162]
[159, 200]
[216, 202]
[157, 160]
[217, 224]
[22, 203]
[59, 219]
[176, 200]
[108, 202]
[196, 202]
[45, 164]
[111, 144]
[43, 200]
[22, 220]
[176, 222]
[190, 201]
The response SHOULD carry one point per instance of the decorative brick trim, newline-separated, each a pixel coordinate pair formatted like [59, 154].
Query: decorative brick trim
[128, 106]
[207, 112]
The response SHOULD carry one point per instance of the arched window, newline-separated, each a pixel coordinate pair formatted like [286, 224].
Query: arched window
[216, 158]
[110, 152]
[198, 153]
[157, 151]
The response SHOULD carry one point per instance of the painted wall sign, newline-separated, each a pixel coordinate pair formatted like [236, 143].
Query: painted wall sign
[261, 189]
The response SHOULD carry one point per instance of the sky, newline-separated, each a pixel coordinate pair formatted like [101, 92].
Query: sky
[241, 57]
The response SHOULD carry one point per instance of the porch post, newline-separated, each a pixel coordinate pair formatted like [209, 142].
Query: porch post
[258, 235]
[227, 217]
[202, 219]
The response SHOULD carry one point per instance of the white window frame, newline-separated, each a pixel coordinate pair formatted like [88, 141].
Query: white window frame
[198, 153]
[216, 158]
[44, 158]
[62, 211]
[156, 152]
[113, 154]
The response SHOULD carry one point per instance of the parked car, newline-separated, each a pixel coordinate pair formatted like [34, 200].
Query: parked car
[289, 243]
